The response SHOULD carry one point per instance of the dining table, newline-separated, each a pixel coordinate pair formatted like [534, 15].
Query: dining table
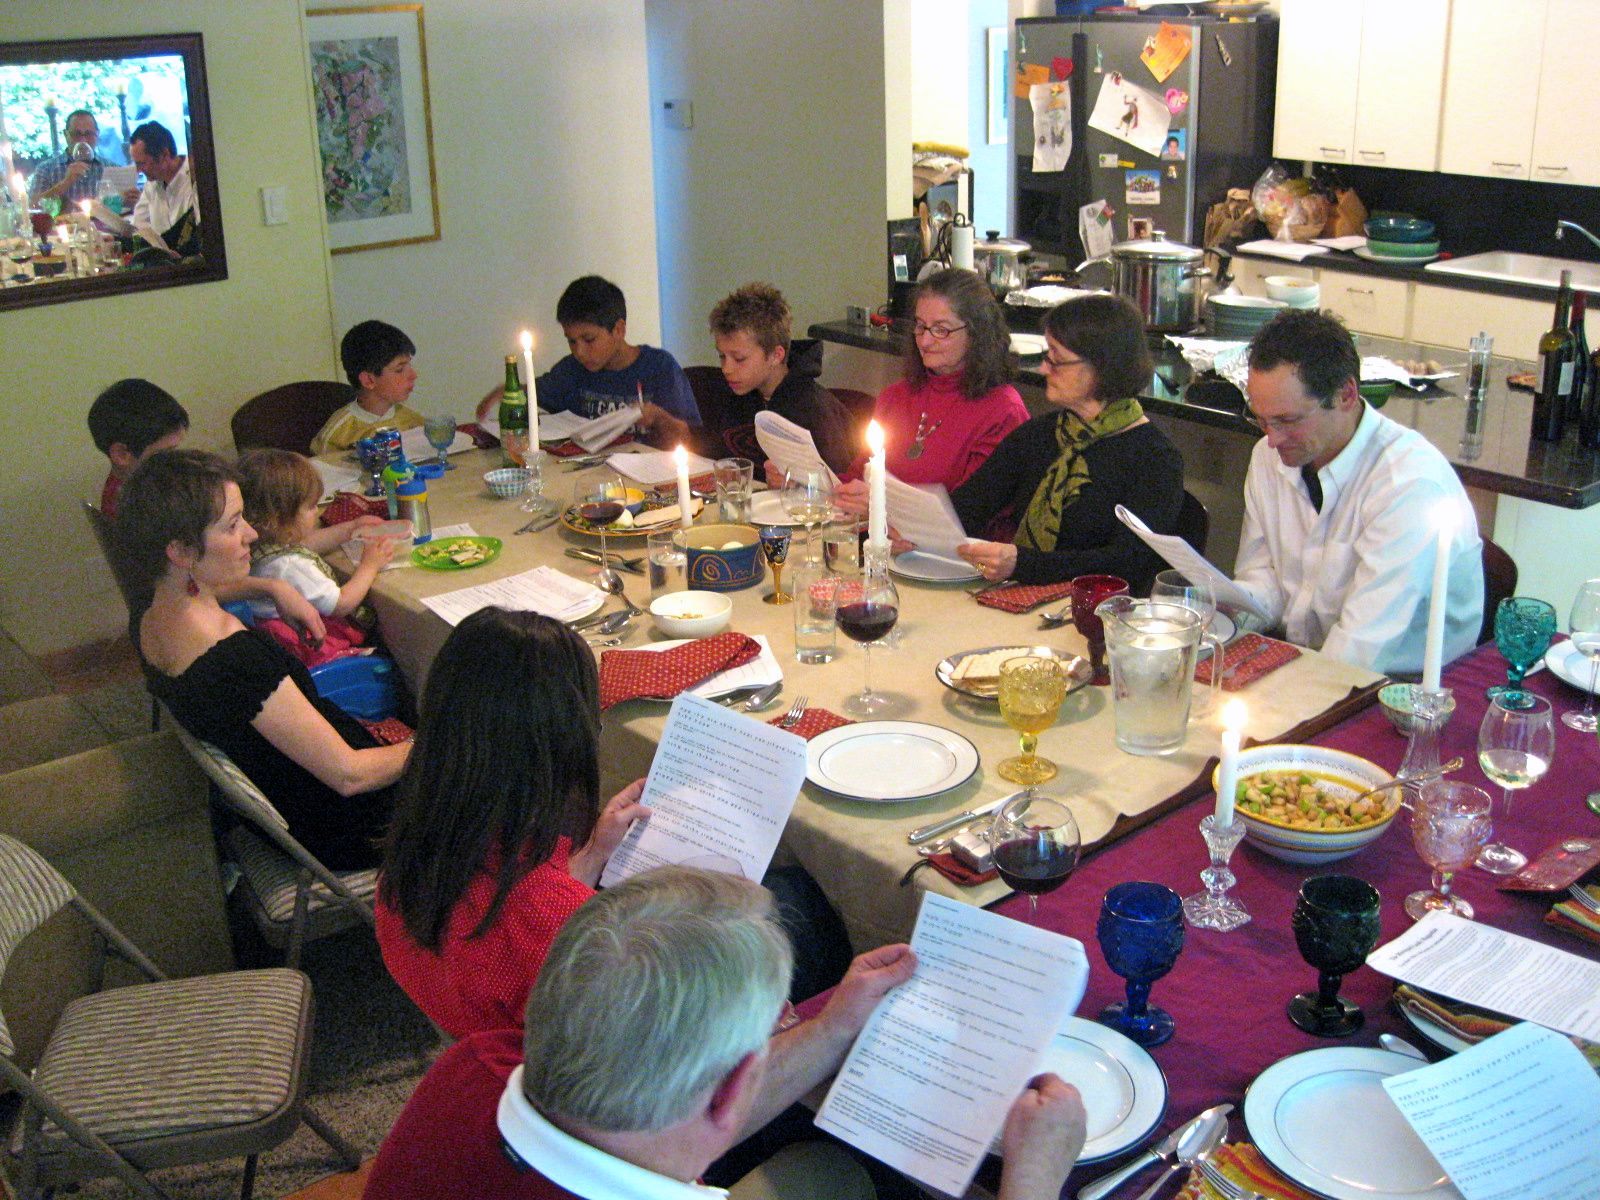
[857, 850]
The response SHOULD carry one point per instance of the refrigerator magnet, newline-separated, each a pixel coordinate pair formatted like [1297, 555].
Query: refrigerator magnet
[1142, 187]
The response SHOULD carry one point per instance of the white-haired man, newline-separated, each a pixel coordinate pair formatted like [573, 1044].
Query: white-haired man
[649, 1051]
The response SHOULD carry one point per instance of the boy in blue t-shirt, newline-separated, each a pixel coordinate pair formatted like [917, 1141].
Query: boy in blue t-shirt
[604, 371]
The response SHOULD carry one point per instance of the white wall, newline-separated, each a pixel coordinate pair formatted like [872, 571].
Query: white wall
[212, 345]
[940, 70]
[782, 177]
[542, 152]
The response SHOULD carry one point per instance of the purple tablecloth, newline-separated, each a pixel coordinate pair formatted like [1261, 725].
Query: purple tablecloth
[1229, 990]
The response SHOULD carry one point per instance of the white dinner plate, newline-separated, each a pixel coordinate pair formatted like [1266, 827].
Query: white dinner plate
[1398, 260]
[1323, 1119]
[932, 568]
[766, 508]
[890, 761]
[1079, 672]
[1569, 664]
[1027, 345]
[1124, 1092]
[759, 671]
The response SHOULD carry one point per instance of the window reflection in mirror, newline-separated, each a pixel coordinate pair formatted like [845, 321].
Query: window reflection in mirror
[107, 174]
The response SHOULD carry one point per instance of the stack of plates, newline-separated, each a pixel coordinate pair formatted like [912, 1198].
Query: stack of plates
[1400, 238]
[1236, 318]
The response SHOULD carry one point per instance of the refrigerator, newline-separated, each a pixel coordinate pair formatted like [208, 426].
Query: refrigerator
[1150, 119]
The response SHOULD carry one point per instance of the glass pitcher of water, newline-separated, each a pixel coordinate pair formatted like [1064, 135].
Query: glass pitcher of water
[1152, 646]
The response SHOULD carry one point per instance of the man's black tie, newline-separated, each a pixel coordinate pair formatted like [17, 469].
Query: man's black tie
[1313, 485]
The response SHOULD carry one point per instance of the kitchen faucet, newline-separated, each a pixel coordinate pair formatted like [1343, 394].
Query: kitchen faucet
[1561, 226]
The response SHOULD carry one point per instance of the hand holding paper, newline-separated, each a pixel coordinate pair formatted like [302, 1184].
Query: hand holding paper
[1184, 557]
[925, 517]
[788, 446]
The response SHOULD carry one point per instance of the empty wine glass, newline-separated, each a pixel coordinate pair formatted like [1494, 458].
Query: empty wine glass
[1336, 926]
[775, 549]
[1140, 932]
[1516, 742]
[1031, 691]
[1194, 593]
[1035, 843]
[440, 432]
[1449, 826]
[865, 621]
[1584, 626]
[1523, 628]
[807, 497]
[1088, 591]
[599, 503]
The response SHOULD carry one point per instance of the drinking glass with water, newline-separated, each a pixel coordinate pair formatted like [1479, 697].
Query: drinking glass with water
[668, 559]
[816, 604]
[735, 478]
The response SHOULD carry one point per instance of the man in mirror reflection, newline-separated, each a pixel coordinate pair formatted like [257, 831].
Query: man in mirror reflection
[70, 176]
[167, 215]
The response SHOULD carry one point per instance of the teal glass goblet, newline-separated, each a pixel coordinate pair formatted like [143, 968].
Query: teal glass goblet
[1523, 629]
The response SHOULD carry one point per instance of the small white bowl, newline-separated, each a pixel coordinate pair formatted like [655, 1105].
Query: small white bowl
[691, 614]
[1340, 772]
[508, 482]
[1294, 290]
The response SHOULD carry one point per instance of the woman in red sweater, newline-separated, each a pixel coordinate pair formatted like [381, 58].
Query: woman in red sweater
[498, 832]
[956, 403]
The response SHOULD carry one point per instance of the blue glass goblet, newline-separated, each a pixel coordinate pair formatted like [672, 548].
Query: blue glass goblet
[1140, 931]
[373, 460]
[1523, 628]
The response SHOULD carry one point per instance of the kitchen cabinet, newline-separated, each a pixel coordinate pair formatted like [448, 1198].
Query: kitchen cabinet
[1367, 304]
[1491, 95]
[1361, 83]
[1451, 317]
[1565, 146]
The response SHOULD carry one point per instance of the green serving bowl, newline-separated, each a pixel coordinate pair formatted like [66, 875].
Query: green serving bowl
[1399, 227]
[1402, 249]
[1376, 392]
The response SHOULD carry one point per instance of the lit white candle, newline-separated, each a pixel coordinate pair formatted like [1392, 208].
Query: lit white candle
[877, 489]
[1233, 720]
[122, 87]
[685, 499]
[533, 392]
[87, 240]
[1433, 645]
[19, 191]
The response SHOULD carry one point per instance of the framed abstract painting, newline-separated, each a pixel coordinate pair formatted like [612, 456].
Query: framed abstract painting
[369, 82]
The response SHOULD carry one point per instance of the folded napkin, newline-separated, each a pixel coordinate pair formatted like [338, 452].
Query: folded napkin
[481, 437]
[1255, 661]
[1020, 597]
[814, 721]
[1575, 918]
[571, 449]
[1468, 1023]
[347, 506]
[662, 674]
[958, 873]
[1242, 1163]
[390, 731]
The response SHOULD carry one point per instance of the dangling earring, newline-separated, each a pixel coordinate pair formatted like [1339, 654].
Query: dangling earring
[192, 587]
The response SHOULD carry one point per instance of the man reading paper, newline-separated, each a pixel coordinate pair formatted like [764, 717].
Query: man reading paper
[1342, 506]
[650, 1050]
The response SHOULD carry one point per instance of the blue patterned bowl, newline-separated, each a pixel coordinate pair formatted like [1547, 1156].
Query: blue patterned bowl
[717, 566]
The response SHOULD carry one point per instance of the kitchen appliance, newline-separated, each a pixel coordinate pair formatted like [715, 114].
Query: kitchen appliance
[999, 261]
[1165, 280]
[1215, 109]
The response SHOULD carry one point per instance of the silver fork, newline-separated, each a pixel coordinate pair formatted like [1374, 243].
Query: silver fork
[1226, 1187]
[1583, 898]
[796, 711]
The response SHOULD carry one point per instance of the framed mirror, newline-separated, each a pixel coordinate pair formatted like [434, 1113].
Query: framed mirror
[108, 179]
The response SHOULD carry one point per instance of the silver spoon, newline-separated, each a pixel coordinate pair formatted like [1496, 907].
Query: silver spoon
[763, 699]
[608, 624]
[1200, 1138]
[1398, 1045]
[1407, 780]
[1058, 618]
[602, 642]
[612, 582]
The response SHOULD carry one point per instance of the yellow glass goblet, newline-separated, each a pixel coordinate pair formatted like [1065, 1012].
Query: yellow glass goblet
[1031, 692]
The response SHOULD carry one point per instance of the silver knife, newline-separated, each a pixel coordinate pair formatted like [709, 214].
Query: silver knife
[631, 565]
[926, 833]
[1161, 1152]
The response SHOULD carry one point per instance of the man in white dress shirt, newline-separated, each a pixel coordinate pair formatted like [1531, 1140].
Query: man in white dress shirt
[1342, 509]
[168, 212]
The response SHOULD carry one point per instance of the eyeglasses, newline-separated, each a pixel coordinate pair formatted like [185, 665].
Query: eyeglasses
[1278, 424]
[937, 332]
[1061, 364]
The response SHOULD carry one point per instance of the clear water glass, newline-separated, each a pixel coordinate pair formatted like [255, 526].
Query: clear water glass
[1175, 587]
[1584, 627]
[841, 546]
[816, 605]
[1516, 743]
[668, 562]
[734, 479]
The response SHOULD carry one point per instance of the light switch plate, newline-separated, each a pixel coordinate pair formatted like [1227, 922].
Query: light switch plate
[275, 205]
[679, 113]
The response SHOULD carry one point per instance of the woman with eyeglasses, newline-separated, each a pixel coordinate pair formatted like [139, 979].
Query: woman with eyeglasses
[1058, 479]
[956, 402]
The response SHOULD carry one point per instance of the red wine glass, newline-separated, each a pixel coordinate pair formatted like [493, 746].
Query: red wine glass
[1035, 843]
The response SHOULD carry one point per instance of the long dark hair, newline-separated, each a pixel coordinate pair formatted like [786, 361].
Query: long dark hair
[505, 759]
[1107, 332]
[989, 361]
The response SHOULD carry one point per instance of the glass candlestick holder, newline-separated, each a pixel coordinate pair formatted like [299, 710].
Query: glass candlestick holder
[1430, 713]
[1214, 908]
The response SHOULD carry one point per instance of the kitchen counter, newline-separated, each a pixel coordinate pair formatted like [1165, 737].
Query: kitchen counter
[1509, 463]
[1338, 260]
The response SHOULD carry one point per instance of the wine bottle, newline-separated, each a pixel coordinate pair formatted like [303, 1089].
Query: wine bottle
[1580, 358]
[1589, 410]
[514, 415]
[1555, 370]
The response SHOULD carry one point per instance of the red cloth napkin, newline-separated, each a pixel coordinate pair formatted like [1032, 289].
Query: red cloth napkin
[390, 731]
[347, 506]
[814, 721]
[957, 872]
[1244, 650]
[662, 674]
[571, 449]
[481, 437]
[1020, 597]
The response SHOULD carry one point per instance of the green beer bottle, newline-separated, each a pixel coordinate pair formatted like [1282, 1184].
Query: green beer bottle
[514, 416]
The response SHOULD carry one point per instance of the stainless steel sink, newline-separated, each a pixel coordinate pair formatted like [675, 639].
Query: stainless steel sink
[1535, 269]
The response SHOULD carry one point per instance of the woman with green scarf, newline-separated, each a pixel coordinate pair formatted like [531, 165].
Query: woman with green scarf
[1057, 480]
